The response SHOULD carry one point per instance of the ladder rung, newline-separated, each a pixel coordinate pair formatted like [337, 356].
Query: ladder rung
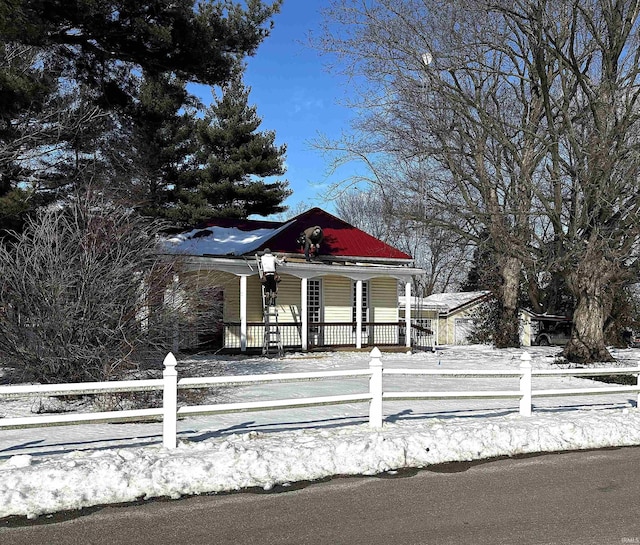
[272, 342]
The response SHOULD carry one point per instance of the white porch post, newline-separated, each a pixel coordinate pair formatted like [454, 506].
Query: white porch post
[407, 313]
[243, 313]
[358, 313]
[304, 312]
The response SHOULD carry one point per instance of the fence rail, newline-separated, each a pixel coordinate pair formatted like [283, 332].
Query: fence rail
[207, 382]
[81, 388]
[169, 385]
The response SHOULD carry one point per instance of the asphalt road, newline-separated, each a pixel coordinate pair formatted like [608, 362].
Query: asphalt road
[571, 498]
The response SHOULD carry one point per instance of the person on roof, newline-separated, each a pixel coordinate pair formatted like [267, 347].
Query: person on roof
[270, 277]
[311, 238]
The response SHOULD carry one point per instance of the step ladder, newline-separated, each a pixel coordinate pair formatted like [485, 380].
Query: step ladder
[272, 341]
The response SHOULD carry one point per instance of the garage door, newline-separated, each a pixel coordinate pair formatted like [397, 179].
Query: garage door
[463, 327]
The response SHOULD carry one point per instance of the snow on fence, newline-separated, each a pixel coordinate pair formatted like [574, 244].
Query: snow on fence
[375, 396]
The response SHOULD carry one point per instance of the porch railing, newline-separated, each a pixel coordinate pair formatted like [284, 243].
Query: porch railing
[332, 334]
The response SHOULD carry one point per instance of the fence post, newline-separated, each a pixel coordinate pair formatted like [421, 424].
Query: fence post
[525, 385]
[638, 384]
[170, 402]
[375, 389]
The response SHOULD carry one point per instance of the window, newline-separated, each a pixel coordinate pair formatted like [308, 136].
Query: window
[314, 309]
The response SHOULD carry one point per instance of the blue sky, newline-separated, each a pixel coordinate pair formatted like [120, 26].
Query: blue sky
[298, 99]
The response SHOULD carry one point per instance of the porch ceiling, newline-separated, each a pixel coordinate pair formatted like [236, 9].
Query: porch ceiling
[248, 267]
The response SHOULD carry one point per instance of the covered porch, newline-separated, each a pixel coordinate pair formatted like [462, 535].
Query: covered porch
[320, 305]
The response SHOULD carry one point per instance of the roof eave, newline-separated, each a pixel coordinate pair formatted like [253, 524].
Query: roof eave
[355, 260]
[246, 265]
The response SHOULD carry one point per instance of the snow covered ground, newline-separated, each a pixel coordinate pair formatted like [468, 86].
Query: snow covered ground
[45, 470]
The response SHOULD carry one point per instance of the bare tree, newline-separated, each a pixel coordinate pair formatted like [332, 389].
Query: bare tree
[589, 186]
[445, 258]
[448, 97]
[365, 210]
[76, 295]
[522, 118]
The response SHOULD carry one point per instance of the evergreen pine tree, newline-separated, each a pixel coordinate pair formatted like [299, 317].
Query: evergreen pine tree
[162, 143]
[96, 51]
[25, 87]
[235, 159]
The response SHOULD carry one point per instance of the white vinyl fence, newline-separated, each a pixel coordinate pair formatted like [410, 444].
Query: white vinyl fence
[375, 396]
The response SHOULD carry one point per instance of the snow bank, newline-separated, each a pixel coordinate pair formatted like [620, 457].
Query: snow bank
[34, 486]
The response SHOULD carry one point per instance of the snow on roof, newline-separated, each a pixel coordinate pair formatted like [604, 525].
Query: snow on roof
[454, 300]
[220, 240]
[419, 302]
[446, 301]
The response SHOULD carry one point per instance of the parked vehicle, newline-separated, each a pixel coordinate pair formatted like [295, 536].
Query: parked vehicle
[631, 338]
[554, 334]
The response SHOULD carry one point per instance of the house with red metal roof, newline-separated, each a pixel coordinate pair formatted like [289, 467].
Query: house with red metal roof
[346, 295]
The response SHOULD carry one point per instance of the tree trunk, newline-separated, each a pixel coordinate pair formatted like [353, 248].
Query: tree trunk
[588, 283]
[508, 327]
[587, 338]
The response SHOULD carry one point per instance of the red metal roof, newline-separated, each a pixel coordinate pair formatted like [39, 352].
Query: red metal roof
[340, 238]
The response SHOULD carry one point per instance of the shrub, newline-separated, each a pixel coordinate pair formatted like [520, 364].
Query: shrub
[82, 295]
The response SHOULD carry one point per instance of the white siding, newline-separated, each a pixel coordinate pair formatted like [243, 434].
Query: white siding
[383, 300]
[337, 299]
[289, 301]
